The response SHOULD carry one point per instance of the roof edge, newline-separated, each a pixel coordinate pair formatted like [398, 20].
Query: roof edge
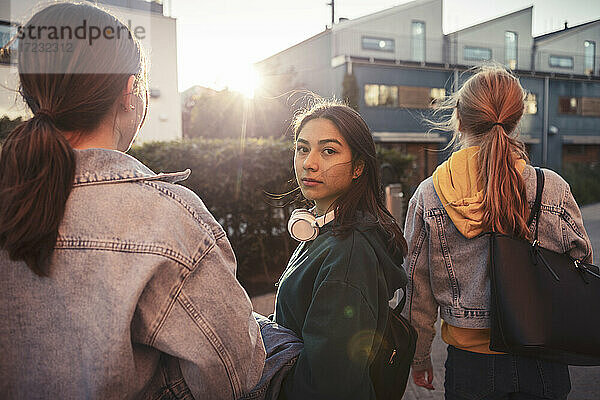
[493, 19]
[571, 29]
[313, 37]
[384, 12]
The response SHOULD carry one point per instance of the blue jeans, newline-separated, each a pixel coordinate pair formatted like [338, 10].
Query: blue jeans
[475, 376]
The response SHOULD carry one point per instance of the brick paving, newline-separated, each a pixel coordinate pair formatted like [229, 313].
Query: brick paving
[585, 381]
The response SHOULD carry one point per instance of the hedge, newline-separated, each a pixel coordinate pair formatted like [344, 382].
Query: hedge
[233, 181]
[584, 179]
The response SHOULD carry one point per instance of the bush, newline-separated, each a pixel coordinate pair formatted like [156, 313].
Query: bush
[584, 180]
[233, 183]
[7, 125]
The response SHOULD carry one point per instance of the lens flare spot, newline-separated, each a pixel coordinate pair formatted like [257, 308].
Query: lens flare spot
[348, 312]
[360, 345]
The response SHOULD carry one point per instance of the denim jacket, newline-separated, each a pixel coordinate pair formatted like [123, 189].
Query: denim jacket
[141, 302]
[283, 348]
[448, 272]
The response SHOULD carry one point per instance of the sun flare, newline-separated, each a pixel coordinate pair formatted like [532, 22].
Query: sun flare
[244, 80]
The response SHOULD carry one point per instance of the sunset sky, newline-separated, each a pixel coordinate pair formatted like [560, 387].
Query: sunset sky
[218, 41]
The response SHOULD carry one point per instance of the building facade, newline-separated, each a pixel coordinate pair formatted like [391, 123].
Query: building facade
[157, 33]
[402, 62]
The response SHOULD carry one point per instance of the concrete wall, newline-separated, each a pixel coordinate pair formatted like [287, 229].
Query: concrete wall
[570, 44]
[393, 24]
[164, 112]
[164, 117]
[490, 34]
[307, 65]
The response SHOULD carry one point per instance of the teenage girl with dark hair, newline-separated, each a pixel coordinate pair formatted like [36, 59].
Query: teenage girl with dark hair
[113, 279]
[335, 290]
[485, 186]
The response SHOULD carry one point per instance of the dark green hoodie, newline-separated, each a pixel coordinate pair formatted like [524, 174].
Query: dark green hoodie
[334, 295]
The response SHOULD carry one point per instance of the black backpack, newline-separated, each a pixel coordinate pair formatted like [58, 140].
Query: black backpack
[390, 367]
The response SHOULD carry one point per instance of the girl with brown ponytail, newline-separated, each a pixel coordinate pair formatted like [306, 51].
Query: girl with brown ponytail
[114, 281]
[486, 185]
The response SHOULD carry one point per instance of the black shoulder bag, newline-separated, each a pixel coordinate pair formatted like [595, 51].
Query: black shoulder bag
[543, 304]
[390, 368]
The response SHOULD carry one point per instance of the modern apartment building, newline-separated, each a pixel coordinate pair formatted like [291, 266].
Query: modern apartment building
[402, 62]
[158, 37]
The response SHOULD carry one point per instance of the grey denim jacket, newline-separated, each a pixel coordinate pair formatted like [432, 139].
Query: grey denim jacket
[448, 272]
[142, 299]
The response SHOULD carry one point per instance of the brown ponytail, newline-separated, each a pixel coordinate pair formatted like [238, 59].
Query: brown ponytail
[37, 165]
[70, 94]
[486, 112]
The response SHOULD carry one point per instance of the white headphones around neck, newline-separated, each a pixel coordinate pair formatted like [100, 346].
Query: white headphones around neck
[304, 226]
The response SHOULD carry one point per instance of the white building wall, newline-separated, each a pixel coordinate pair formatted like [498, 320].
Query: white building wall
[396, 24]
[160, 43]
[10, 101]
[491, 34]
[570, 44]
[307, 65]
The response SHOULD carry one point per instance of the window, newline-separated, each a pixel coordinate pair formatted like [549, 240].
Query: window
[379, 44]
[437, 94]
[590, 106]
[418, 41]
[574, 149]
[388, 96]
[531, 103]
[381, 95]
[589, 57]
[372, 95]
[584, 106]
[7, 32]
[419, 97]
[561, 62]
[402, 96]
[510, 49]
[567, 105]
[477, 53]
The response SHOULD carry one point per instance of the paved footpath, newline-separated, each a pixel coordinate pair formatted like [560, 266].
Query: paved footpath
[585, 381]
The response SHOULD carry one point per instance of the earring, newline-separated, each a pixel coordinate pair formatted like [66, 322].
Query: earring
[125, 108]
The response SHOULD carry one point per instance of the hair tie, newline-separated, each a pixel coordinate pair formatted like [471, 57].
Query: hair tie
[499, 123]
[44, 112]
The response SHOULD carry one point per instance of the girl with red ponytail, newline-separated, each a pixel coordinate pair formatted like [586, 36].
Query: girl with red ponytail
[485, 186]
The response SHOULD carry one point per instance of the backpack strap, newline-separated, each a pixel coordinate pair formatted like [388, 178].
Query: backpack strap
[535, 209]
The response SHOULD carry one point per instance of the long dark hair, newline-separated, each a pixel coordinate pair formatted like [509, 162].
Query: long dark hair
[69, 90]
[366, 193]
[488, 108]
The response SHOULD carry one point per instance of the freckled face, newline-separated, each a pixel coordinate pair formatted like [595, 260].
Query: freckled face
[323, 163]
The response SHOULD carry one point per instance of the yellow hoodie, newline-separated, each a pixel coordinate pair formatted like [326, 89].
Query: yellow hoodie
[461, 194]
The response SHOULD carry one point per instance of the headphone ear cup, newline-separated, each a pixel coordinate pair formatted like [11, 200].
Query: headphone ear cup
[302, 227]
